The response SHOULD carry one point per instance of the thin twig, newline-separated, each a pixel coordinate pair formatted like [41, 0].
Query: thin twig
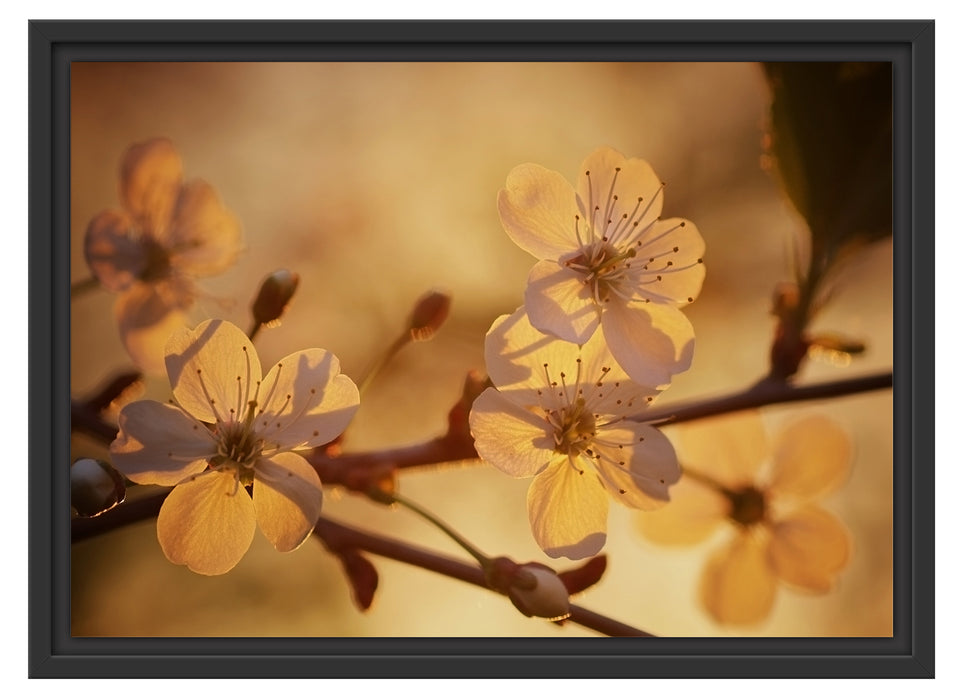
[340, 536]
[765, 393]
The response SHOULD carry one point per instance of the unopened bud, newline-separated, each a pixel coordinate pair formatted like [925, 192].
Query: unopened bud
[95, 487]
[838, 343]
[582, 577]
[539, 592]
[789, 345]
[429, 314]
[275, 294]
[785, 299]
[458, 418]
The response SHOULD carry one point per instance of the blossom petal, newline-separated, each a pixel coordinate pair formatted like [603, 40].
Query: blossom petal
[694, 513]
[737, 586]
[729, 448]
[629, 180]
[160, 444]
[558, 303]
[305, 401]
[652, 342]
[811, 458]
[670, 268]
[523, 363]
[538, 210]
[204, 238]
[147, 315]
[637, 464]
[809, 548]
[207, 522]
[214, 370]
[513, 439]
[568, 508]
[287, 497]
[115, 258]
[150, 176]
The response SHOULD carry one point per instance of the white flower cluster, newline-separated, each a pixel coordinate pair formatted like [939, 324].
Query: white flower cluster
[600, 334]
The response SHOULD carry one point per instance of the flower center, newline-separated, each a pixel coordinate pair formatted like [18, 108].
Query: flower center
[574, 427]
[747, 505]
[239, 444]
[603, 266]
[156, 260]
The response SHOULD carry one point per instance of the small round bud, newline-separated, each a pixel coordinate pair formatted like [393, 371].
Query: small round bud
[785, 299]
[95, 487]
[275, 294]
[539, 592]
[429, 314]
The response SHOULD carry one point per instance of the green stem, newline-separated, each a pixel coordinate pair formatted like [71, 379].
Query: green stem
[388, 498]
[382, 361]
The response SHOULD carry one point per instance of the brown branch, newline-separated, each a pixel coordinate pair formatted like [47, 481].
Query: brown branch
[338, 536]
[348, 468]
[765, 393]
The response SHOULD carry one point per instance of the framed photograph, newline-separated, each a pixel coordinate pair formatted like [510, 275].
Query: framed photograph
[447, 349]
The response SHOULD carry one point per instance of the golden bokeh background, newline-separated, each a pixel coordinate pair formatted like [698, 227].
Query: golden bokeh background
[376, 182]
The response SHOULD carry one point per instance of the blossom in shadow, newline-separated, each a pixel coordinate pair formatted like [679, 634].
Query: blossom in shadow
[167, 233]
[607, 261]
[228, 429]
[558, 413]
[766, 497]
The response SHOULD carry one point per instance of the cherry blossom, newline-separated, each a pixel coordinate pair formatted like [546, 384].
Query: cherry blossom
[766, 496]
[558, 414]
[607, 261]
[230, 428]
[167, 233]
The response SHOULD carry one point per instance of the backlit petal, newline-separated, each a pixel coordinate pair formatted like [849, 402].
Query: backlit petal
[213, 369]
[568, 507]
[668, 266]
[729, 448]
[558, 303]
[693, 513]
[513, 439]
[737, 586]
[516, 354]
[637, 463]
[538, 210]
[811, 458]
[809, 548]
[160, 444]
[147, 315]
[207, 522]
[115, 258]
[305, 401]
[652, 342]
[629, 180]
[204, 238]
[287, 497]
[150, 176]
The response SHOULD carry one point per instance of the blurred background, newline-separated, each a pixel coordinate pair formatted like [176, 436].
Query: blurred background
[377, 182]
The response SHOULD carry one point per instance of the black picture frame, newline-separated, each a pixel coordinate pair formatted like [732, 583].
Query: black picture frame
[908, 45]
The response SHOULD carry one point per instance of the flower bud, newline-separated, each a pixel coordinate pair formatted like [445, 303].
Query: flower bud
[582, 577]
[539, 592]
[429, 314]
[275, 294]
[786, 297]
[790, 344]
[95, 487]
[458, 419]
